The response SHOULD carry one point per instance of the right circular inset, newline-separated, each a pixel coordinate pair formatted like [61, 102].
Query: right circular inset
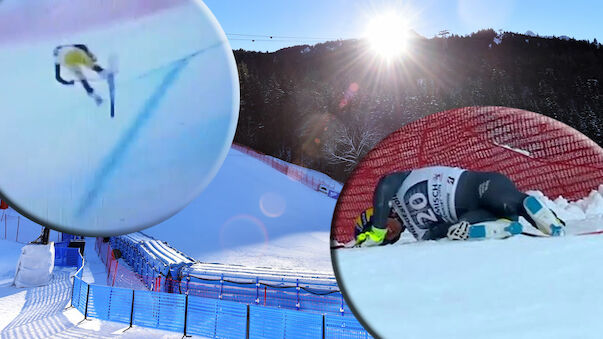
[471, 220]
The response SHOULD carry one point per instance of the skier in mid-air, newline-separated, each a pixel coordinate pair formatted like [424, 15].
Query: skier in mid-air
[76, 58]
[438, 202]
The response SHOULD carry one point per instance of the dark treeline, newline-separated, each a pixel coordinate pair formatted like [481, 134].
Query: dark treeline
[325, 106]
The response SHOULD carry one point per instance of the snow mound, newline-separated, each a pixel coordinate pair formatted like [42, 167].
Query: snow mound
[589, 207]
[35, 265]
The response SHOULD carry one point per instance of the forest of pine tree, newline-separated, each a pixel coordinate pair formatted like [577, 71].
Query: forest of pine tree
[325, 106]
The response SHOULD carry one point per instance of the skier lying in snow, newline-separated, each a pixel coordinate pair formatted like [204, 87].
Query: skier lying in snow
[438, 202]
[75, 58]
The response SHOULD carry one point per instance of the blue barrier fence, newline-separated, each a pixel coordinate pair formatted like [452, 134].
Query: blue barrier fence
[168, 270]
[66, 256]
[192, 315]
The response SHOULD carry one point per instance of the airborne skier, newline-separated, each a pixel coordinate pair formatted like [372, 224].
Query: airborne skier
[438, 202]
[76, 58]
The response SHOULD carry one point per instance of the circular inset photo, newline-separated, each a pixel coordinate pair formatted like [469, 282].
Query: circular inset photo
[114, 115]
[474, 222]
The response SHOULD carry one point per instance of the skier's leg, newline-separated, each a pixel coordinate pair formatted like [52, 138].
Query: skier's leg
[89, 90]
[479, 219]
[498, 194]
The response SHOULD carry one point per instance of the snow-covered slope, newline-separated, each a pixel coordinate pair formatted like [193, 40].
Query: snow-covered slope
[516, 288]
[253, 215]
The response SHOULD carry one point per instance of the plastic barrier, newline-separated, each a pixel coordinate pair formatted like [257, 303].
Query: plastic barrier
[170, 271]
[65, 256]
[267, 322]
[216, 318]
[291, 171]
[206, 317]
[337, 326]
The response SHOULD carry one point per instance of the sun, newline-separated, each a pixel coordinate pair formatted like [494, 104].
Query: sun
[388, 35]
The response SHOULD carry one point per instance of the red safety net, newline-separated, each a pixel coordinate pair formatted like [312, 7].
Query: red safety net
[536, 152]
[287, 169]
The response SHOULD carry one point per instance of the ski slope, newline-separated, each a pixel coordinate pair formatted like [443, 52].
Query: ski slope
[253, 215]
[65, 160]
[520, 287]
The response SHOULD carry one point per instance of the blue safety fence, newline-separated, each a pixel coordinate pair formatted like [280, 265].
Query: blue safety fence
[337, 326]
[164, 269]
[215, 318]
[66, 256]
[268, 322]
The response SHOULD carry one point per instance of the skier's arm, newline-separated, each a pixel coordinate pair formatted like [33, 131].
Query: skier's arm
[387, 187]
[375, 231]
[57, 73]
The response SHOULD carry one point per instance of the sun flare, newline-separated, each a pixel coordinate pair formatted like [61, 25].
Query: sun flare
[388, 35]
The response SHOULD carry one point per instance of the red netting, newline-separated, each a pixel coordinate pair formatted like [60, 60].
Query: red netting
[285, 168]
[536, 152]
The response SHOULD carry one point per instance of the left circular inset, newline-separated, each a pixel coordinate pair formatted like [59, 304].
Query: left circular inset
[114, 117]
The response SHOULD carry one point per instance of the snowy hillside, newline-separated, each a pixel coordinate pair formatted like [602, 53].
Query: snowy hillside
[521, 287]
[253, 215]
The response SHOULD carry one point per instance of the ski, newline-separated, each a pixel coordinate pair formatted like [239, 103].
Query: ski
[111, 83]
[570, 234]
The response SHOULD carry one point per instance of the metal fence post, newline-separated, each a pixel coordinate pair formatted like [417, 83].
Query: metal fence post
[324, 325]
[87, 296]
[298, 304]
[185, 314]
[221, 285]
[257, 290]
[248, 323]
[131, 312]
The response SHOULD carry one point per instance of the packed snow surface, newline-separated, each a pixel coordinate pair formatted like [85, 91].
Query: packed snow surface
[520, 287]
[253, 215]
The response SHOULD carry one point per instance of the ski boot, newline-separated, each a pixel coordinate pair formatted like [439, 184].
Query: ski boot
[546, 220]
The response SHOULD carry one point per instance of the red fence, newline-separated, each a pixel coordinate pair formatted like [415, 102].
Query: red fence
[292, 172]
[536, 152]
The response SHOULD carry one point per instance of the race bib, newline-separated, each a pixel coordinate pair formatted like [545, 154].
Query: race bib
[426, 198]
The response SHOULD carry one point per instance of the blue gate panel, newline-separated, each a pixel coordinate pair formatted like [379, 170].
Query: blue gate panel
[159, 310]
[75, 293]
[110, 303]
[267, 322]
[98, 302]
[81, 296]
[344, 327]
[216, 318]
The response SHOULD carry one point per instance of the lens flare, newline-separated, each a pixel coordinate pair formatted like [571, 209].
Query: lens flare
[242, 230]
[272, 204]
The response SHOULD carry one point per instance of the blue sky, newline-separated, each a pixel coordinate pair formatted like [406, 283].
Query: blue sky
[313, 21]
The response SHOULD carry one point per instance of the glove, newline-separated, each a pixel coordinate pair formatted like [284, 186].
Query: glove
[373, 237]
[459, 231]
